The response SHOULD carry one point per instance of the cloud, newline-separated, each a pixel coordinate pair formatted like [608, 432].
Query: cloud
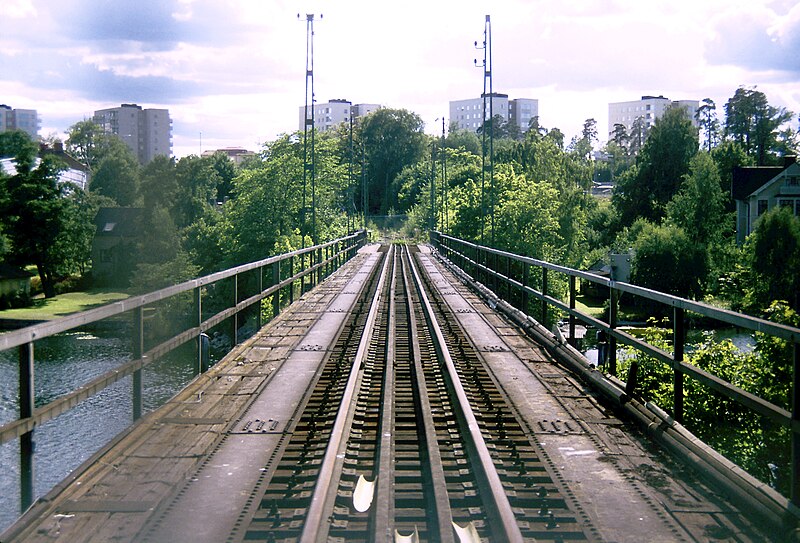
[757, 38]
[110, 24]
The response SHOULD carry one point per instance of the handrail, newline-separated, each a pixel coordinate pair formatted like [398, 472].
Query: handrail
[16, 338]
[323, 259]
[473, 260]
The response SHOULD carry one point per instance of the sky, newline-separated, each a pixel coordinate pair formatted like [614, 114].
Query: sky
[232, 72]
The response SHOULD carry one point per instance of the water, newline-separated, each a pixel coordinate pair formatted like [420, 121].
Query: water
[62, 364]
[743, 341]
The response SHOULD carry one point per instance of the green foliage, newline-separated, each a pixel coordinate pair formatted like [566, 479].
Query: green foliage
[754, 124]
[117, 176]
[660, 167]
[775, 257]
[699, 205]
[751, 441]
[666, 259]
[463, 139]
[706, 117]
[392, 140]
[32, 209]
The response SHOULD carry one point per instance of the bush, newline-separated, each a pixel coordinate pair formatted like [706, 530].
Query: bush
[668, 261]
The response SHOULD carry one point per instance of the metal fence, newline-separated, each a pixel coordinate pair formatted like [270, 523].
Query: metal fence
[245, 287]
[504, 271]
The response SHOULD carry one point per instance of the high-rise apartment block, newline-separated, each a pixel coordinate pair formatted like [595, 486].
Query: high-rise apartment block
[649, 108]
[333, 113]
[469, 115]
[22, 119]
[146, 132]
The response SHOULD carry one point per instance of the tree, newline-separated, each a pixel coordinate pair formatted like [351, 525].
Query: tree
[754, 124]
[706, 117]
[197, 181]
[699, 205]
[619, 136]
[32, 208]
[83, 142]
[117, 175]
[637, 136]
[226, 171]
[775, 257]
[465, 139]
[392, 139]
[588, 138]
[667, 260]
[644, 191]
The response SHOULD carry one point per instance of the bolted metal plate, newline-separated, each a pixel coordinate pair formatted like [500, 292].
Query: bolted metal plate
[258, 426]
[561, 427]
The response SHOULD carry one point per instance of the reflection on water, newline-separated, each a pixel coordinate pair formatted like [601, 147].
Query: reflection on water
[63, 363]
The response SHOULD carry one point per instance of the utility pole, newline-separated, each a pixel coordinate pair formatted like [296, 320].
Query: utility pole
[309, 157]
[446, 202]
[487, 81]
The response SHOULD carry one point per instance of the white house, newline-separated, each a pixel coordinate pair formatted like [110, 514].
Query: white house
[756, 190]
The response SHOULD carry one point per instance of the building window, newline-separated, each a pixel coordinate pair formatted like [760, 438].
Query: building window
[762, 207]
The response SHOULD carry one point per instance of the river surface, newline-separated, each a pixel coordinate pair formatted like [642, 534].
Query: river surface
[62, 363]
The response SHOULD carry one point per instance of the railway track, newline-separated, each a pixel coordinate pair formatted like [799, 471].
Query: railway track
[389, 404]
[405, 437]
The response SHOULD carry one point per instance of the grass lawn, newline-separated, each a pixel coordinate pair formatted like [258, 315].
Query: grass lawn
[595, 310]
[64, 304]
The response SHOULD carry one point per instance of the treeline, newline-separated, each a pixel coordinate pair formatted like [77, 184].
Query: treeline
[671, 202]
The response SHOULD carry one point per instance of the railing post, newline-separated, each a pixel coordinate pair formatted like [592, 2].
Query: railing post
[235, 318]
[138, 351]
[276, 297]
[544, 293]
[612, 323]
[508, 277]
[27, 397]
[795, 484]
[198, 305]
[572, 295]
[678, 340]
[260, 293]
[525, 276]
[291, 273]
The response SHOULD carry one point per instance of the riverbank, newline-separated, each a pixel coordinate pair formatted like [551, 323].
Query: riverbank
[47, 309]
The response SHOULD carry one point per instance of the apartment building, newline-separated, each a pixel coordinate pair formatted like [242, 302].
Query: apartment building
[146, 132]
[649, 108]
[468, 114]
[333, 113]
[22, 119]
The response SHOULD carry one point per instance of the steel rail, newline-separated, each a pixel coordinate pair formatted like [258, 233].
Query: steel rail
[315, 527]
[384, 507]
[500, 515]
[443, 513]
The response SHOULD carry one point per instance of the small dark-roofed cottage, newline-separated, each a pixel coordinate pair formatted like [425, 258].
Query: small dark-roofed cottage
[113, 249]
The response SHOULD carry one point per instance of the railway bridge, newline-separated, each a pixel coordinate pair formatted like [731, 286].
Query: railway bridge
[396, 398]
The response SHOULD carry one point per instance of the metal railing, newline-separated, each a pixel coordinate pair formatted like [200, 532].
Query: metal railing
[281, 274]
[501, 270]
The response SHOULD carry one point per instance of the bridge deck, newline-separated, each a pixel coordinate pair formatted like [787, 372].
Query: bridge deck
[197, 468]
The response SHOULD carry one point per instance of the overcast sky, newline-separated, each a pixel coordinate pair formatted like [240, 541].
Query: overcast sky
[234, 70]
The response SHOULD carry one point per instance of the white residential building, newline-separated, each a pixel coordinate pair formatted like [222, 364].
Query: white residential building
[469, 115]
[649, 108]
[333, 113]
[146, 132]
[22, 119]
